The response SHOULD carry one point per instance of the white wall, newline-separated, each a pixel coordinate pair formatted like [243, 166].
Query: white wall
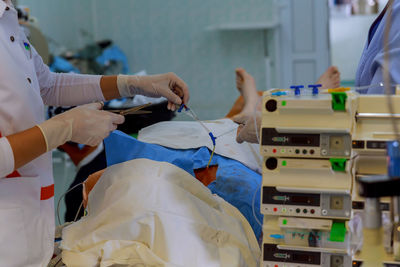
[348, 36]
[161, 36]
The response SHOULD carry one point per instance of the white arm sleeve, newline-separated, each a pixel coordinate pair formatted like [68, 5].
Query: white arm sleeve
[62, 89]
[6, 158]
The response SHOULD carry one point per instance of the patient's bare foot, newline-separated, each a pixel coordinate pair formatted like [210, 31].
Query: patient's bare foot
[330, 79]
[247, 87]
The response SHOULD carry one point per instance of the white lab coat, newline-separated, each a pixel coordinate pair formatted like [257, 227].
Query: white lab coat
[26, 222]
[26, 200]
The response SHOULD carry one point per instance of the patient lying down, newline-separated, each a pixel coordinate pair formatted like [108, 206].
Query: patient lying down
[156, 214]
[152, 213]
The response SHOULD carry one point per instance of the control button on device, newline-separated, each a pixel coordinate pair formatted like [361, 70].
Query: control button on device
[271, 163]
[271, 105]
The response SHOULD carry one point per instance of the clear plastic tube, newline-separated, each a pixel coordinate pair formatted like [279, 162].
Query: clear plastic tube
[189, 112]
[61, 197]
[258, 140]
[193, 115]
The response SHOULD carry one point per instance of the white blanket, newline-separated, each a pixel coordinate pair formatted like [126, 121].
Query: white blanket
[152, 213]
[190, 134]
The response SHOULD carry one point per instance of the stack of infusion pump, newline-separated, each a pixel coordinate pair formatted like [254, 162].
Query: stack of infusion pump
[313, 147]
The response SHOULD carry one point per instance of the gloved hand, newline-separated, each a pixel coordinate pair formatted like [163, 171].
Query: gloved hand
[247, 129]
[86, 124]
[166, 85]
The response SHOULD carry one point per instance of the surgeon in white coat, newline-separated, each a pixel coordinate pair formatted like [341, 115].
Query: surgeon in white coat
[26, 176]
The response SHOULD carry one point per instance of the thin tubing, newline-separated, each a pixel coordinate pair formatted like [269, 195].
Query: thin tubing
[225, 133]
[61, 197]
[193, 115]
[253, 203]
[255, 119]
[258, 139]
[212, 154]
[77, 213]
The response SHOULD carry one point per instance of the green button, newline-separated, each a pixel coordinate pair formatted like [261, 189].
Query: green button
[284, 163]
[338, 232]
[338, 164]
[283, 103]
[284, 222]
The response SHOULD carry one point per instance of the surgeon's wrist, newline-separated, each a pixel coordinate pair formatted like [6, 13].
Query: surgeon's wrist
[128, 85]
[56, 132]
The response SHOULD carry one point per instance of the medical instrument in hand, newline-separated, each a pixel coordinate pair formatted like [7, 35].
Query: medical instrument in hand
[135, 110]
[193, 115]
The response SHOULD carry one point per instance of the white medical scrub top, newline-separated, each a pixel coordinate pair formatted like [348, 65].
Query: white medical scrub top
[26, 195]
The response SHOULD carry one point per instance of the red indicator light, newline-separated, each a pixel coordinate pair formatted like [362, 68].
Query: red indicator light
[275, 209]
[312, 211]
[274, 150]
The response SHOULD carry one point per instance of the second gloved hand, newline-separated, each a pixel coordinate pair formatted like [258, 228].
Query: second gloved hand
[166, 85]
[86, 124]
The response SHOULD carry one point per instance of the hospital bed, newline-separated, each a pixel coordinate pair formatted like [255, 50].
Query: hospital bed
[237, 179]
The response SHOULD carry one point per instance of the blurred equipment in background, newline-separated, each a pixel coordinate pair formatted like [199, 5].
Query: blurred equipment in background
[365, 7]
[32, 31]
[345, 8]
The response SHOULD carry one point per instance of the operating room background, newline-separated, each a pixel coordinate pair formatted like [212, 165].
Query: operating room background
[185, 37]
[161, 36]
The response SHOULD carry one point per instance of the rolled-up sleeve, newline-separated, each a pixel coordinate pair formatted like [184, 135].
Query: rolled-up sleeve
[65, 89]
[6, 158]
